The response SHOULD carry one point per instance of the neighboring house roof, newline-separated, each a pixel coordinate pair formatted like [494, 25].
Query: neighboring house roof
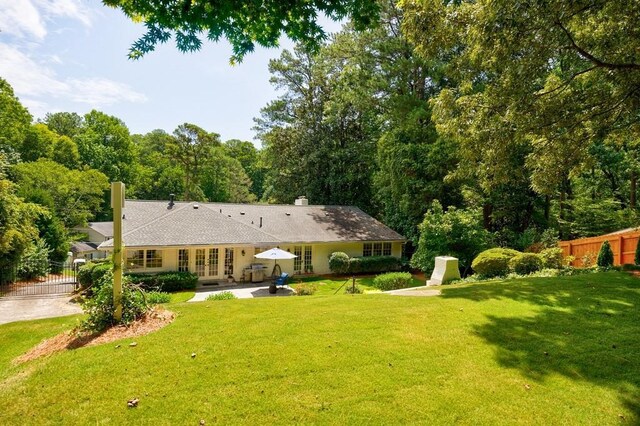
[83, 246]
[153, 223]
[103, 228]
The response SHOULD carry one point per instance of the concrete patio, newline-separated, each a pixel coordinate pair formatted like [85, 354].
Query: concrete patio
[244, 291]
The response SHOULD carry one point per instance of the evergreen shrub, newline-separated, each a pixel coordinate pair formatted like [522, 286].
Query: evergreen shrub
[339, 262]
[605, 256]
[392, 281]
[552, 258]
[525, 263]
[493, 262]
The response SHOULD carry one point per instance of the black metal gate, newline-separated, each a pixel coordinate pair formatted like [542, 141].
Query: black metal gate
[38, 278]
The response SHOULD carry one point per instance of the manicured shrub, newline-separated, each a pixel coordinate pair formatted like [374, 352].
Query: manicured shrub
[392, 281]
[605, 256]
[339, 262]
[493, 262]
[100, 310]
[374, 264]
[166, 281]
[223, 295]
[525, 263]
[305, 289]
[552, 258]
[156, 297]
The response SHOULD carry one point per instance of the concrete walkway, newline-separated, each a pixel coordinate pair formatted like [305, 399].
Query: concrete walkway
[246, 291]
[415, 291]
[28, 308]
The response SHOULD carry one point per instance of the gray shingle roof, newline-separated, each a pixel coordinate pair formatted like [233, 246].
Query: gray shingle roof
[152, 223]
[103, 228]
[83, 246]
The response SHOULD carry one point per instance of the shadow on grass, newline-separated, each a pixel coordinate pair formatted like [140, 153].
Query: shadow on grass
[586, 328]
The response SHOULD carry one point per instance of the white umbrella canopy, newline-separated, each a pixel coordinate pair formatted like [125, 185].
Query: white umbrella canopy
[275, 253]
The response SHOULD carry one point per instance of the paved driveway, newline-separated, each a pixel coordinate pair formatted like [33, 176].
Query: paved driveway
[28, 308]
[241, 292]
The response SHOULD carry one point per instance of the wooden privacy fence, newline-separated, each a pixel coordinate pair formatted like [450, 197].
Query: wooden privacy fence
[623, 244]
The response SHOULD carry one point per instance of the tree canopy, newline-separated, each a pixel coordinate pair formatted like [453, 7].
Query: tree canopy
[244, 23]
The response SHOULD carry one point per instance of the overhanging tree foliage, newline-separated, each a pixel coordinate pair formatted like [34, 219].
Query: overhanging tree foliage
[244, 23]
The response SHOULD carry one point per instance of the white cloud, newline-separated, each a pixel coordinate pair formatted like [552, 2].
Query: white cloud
[32, 80]
[73, 9]
[20, 18]
[28, 18]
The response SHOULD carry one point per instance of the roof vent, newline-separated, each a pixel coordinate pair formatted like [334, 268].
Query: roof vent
[241, 213]
[288, 214]
[196, 206]
[172, 198]
[302, 201]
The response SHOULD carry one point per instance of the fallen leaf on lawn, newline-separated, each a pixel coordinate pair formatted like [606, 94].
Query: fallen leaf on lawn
[132, 403]
[133, 344]
[527, 386]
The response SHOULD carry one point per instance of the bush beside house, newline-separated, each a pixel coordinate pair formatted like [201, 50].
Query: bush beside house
[92, 274]
[341, 263]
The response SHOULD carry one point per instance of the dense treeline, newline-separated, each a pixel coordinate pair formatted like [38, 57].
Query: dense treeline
[506, 123]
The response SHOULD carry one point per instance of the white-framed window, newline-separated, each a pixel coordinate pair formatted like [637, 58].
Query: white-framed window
[386, 249]
[213, 262]
[135, 259]
[297, 261]
[153, 259]
[228, 261]
[183, 260]
[308, 257]
[367, 249]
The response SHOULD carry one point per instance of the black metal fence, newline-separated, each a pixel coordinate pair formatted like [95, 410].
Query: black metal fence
[38, 278]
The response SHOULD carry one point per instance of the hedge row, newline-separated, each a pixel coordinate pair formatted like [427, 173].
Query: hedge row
[166, 281]
[392, 281]
[497, 262]
[341, 263]
[92, 273]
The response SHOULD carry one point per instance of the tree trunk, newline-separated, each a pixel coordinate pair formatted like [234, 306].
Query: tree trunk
[633, 183]
[487, 210]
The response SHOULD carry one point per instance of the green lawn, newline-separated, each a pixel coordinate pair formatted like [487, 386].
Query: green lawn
[326, 286]
[535, 351]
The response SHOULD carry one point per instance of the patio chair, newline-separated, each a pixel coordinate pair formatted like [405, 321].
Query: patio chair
[281, 280]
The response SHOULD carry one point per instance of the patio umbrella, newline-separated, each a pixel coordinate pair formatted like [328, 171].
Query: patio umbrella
[275, 254]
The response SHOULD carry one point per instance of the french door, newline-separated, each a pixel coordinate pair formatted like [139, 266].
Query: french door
[207, 263]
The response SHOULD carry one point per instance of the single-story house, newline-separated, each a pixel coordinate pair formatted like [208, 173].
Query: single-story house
[97, 233]
[219, 240]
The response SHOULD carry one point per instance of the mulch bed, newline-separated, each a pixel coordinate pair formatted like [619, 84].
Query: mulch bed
[153, 320]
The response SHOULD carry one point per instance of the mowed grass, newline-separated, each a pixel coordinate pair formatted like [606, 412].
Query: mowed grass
[535, 351]
[329, 286]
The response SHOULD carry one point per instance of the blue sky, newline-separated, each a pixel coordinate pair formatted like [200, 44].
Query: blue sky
[71, 55]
